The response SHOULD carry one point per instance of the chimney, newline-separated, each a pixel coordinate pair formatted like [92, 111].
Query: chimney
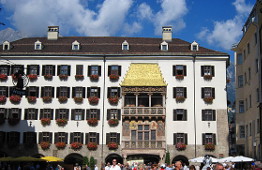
[167, 33]
[53, 32]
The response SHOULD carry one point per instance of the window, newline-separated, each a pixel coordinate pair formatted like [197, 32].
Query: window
[92, 137]
[257, 93]
[257, 65]
[245, 74]
[208, 92]
[242, 132]
[78, 92]
[33, 69]
[47, 91]
[180, 138]
[180, 92]
[48, 70]
[244, 53]
[14, 113]
[114, 70]
[76, 137]
[6, 45]
[249, 73]
[209, 138]
[94, 70]
[77, 114]
[5, 69]
[4, 91]
[208, 115]
[61, 137]
[250, 101]
[113, 114]
[180, 115]
[63, 70]
[3, 113]
[164, 46]
[13, 138]
[46, 113]
[248, 48]
[63, 92]
[93, 113]
[93, 91]
[179, 70]
[113, 137]
[239, 59]
[32, 91]
[125, 45]
[31, 114]
[113, 92]
[79, 69]
[16, 68]
[241, 106]
[45, 137]
[194, 46]
[75, 45]
[29, 138]
[38, 45]
[240, 81]
[207, 71]
[62, 114]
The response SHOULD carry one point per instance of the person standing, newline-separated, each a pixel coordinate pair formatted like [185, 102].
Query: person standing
[114, 165]
[178, 165]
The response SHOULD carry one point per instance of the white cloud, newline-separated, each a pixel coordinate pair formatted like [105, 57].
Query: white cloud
[144, 11]
[226, 33]
[130, 29]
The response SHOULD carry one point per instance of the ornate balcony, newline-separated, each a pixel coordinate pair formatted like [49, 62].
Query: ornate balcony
[157, 112]
[148, 144]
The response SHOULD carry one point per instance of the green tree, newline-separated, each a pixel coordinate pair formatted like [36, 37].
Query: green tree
[92, 163]
[167, 161]
[85, 161]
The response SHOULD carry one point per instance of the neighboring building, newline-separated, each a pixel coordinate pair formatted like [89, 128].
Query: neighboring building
[248, 86]
[137, 98]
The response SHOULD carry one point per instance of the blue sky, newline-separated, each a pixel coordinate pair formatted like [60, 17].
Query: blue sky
[213, 24]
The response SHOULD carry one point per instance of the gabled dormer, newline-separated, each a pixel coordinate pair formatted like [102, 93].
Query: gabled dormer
[38, 45]
[6, 45]
[194, 46]
[164, 46]
[75, 45]
[125, 45]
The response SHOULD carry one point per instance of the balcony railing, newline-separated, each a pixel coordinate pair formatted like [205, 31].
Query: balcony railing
[144, 144]
[144, 111]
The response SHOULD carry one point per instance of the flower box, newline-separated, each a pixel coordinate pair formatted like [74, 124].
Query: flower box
[79, 77]
[31, 99]
[210, 147]
[63, 76]
[47, 99]
[93, 100]
[2, 99]
[179, 77]
[180, 98]
[15, 98]
[60, 145]
[91, 146]
[113, 77]
[94, 77]
[208, 99]
[62, 99]
[180, 146]
[92, 121]
[61, 122]
[113, 122]
[45, 145]
[78, 99]
[32, 76]
[13, 121]
[76, 145]
[3, 77]
[48, 76]
[112, 145]
[113, 100]
[208, 77]
[45, 121]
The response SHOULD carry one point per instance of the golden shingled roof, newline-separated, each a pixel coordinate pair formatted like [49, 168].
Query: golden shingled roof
[141, 74]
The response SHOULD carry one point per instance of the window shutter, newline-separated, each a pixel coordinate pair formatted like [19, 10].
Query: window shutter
[99, 70]
[174, 115]
[42, 91]
[84, 92]
[68, 92]
[8, 70]
[185, 115]
[66, 138]
[118, 91]
[50, 137]
[53, 70]
[185, 92]
[38, 69]
[214, 138]
[82, 137]
[87, 138]
[73, 114]
[185, 137]
[98, 114]
[109, 70]
[174, 139]
[174, 70]
[69, 70]
[40, 137]
[203, 115]
[73, 92]
[108, 91]
[213, 70]
[88, 91]
[98, 92]
[119, 70]
[67, 114]
[107, 138]
[203, 138]
[89, 71]
[53, 91]
[214, 115]
[213, 92]
[185, 72]
[58, 70]
[108, 114]
[83, 114]
[71, 137]
[56, 137]
[87, 114]
[7, 91]
[174, 92]
[118, 138]
[43, 70]
[36, 114]
[37, 91]
[118, 114]
[202, 71]
[97, 138]
[19, 113]
[56, 113]
[27, 92]
[26, 114]
[41, 113]
[57, 92]
[202, 92]
[27, 69]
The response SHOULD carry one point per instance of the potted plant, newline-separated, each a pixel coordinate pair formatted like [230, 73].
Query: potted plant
[60, 145]
[112, 145]
[113, 77]
[61, 122]
[93, 100]
[3, 77]
[15, 98]
[92, 146]
[78, 99]
[31, 99]
[113, 122]
[180, 146]
[79, 77]
[47, 99]
[113, 100]
[208, 99]
[76, 145]
[94, 77]
[45, 145]
[92, 121]
[63, 76]
[2, 99]
[48, 76]
[180, 77]
[45, 121]
[32, 77]
[210, 147]
[180, 98]
[62, 99]
[208, 77]
[13, 121]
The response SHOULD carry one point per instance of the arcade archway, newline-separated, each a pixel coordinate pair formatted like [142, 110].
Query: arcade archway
[110, 157]
[181, 158]
[146, 158]
[74, 158]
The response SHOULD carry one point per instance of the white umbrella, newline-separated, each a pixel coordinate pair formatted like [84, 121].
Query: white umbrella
[242, 159]
[226, 159]
[201, 159]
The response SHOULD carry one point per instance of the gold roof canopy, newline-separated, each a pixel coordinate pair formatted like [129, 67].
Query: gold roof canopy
[143, 74]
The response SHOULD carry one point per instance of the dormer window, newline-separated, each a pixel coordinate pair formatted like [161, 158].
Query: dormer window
[194, 46]
[125, 45]
[38, 45]
[6, 45]
[75, 45]
[164, 46]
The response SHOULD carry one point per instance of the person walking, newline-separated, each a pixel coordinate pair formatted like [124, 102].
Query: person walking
[114, 165]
